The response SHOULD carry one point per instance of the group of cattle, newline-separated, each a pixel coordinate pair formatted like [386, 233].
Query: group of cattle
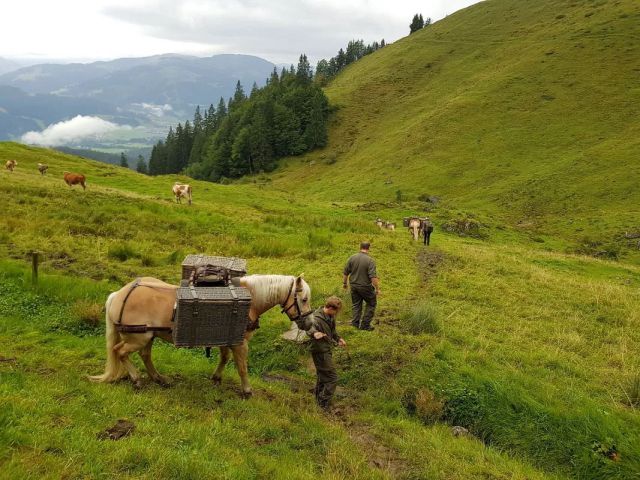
[180, 190]
[383, 224]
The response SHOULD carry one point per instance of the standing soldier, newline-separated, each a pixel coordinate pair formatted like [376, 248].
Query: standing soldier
[360, 270]
[427, 229]
[323, 338]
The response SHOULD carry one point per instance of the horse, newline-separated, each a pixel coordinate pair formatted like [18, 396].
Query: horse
[75, 179]
[379, 223]
[182, 190]
[390, 226]
[414, 227]
[150, 302]
[42, 168]
[10, 165]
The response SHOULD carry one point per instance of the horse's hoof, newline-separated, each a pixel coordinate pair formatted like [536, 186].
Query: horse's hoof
[163, 382]
[137, 385]
[246, 395]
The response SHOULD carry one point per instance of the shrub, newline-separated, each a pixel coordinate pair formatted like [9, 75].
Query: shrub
[148, 261]
[175, 257]
[87, 317]
[464, 227]
[463, 407]
[122, 252]
[269, 247]
[633, 393]
[319, 239]
[399, 196]
[421, 319]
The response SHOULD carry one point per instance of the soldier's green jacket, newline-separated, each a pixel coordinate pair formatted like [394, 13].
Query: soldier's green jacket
[321, 322]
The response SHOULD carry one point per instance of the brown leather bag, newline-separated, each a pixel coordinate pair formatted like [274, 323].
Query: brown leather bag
[209, 276]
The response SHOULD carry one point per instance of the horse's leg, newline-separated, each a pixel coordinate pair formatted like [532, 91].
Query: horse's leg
[225, 353]
[124, 349]
[241, 357]
[145, 354]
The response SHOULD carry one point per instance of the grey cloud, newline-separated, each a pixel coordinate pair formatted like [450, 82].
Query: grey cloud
[281, 29]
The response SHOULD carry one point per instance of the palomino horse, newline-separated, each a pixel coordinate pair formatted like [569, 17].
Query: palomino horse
[75, 179]
[10, 165]
[150, 303]
[414, 227]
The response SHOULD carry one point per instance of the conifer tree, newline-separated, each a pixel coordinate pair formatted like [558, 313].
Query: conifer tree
[123, 160]
[141, 167]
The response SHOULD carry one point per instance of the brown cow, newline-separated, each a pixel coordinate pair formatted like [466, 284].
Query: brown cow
[182, 190]
[75, 179]
[42, 168]
[10, 165]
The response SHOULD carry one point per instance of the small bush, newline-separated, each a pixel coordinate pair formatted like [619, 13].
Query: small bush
[175, 257]
[148, 261]
[463, 407]
[318, 239]
[88, 315]
[269, 247]
[464, 227]
[122, 252]
[633, 393]
[399, 196]
[422, 319]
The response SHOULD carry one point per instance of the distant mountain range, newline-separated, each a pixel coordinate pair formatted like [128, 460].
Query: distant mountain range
[8, 65]
[154, 91]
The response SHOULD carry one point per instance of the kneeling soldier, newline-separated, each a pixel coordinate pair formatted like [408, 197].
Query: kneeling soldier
[323, 338]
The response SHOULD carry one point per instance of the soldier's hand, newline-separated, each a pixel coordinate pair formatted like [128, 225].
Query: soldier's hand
[319, 335]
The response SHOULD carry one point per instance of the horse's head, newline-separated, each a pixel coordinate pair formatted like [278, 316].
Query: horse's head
[298, 302]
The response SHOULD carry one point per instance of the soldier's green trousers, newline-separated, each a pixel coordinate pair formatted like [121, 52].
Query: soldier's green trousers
[327, 378]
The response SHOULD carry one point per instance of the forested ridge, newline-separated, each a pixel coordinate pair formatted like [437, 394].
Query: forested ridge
[248, 133]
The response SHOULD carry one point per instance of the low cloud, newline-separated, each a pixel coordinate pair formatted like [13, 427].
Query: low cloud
[153, 109]
[71, 131]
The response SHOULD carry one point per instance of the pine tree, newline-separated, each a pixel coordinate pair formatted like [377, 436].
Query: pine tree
[123, 160]
[303, 73]
[416, 24]
[141, 167]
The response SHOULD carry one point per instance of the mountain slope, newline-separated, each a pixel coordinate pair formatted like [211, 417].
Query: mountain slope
[526, 112]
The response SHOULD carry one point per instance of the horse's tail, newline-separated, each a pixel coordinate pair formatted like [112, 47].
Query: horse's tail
[114, 368]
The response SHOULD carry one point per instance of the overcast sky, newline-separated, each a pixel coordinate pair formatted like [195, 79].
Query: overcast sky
[277, 30]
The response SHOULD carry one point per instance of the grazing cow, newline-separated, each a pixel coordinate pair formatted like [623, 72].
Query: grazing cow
[42, 168]
[10, 165]
[182, 190]
[75, 179]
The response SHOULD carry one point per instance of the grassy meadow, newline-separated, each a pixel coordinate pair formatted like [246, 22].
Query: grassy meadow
[520, 322]
[520, 113]
[532, 350]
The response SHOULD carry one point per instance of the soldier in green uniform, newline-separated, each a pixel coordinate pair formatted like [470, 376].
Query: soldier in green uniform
[360, 271]
[324, 336]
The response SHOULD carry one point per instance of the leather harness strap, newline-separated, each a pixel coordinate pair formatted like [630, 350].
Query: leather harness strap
[137, 328]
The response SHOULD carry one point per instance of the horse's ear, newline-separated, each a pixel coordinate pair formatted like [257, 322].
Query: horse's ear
[299, 279]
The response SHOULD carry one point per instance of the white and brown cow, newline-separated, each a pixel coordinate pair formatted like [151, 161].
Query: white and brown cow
[181, 190]
[10, 165]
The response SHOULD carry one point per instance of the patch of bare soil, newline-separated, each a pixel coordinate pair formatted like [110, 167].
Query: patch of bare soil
[428, 263]
[122, 428]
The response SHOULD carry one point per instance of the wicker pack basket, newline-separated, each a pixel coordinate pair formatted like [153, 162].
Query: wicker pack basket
[237, 266]
[211, 316]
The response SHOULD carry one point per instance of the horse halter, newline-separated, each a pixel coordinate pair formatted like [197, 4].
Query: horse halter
[285, 309]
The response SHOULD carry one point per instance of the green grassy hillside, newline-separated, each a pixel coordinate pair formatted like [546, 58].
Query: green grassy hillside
[522, 113]
[529, 349]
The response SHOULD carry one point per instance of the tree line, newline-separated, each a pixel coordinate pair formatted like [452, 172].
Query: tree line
[418, 23]
[356, 49]
[248, 133]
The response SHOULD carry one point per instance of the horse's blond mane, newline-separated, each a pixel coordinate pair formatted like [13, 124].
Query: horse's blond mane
[268, 290]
